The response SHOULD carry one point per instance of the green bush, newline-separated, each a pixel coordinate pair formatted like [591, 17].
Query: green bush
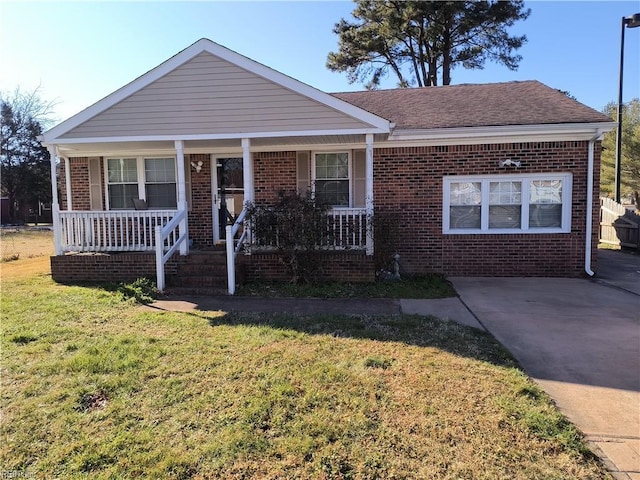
[296, 227]
[143, 290]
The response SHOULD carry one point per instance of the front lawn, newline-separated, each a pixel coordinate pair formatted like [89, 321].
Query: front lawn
[25, 242]
[97, 387]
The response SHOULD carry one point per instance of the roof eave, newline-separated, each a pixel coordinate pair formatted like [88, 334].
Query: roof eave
[555, 129]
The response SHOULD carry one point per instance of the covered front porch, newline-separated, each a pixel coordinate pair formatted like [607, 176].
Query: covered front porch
[208, 213]
[160, 139]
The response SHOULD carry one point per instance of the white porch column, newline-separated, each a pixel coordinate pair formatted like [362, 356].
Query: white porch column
[182, 196]
[67, 181]
[247, 170]
[55, 205]
[368, 188]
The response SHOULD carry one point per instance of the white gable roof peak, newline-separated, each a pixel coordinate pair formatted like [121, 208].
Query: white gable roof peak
[206, 45]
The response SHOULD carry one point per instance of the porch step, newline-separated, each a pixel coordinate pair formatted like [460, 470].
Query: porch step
[173, 292]
[213, 257]
[206, 271]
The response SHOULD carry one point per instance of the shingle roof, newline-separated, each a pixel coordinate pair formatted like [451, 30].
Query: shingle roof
[512, 103]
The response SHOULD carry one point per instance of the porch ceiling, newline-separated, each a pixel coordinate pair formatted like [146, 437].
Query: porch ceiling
[210, 146]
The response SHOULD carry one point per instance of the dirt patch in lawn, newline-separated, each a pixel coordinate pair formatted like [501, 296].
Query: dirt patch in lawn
[23, 269]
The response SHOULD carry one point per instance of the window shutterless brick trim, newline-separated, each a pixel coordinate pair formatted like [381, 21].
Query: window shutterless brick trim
[409, 181]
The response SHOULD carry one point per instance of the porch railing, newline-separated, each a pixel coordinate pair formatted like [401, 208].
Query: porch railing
[346, 228]
[168, 240]
[234, 247]
[112, 231]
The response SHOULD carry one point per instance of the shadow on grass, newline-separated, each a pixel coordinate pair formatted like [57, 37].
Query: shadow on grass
[407, 329]
[417, 286]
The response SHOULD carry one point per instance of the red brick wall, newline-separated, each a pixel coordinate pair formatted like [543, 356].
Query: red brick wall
[336, 266]
[409, 182]
[274, 171]
[116, 267]
[80, 191]
[200, 216]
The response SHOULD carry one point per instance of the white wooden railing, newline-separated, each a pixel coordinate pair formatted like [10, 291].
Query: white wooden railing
[234, 247]
[168, 240]
[112, 231]
[347, 228]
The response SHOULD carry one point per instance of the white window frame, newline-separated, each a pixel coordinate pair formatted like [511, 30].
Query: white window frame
[140, 173]
[349, 171]
[485, 180]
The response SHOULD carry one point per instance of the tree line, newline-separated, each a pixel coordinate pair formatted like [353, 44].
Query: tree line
[25, 169]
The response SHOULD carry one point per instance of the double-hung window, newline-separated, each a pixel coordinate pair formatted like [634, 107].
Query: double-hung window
[331, 179]
[160, 182]
[122, 182]
[535, 203]
[149, 178]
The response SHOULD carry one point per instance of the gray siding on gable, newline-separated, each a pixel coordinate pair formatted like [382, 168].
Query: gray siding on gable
[208, 95]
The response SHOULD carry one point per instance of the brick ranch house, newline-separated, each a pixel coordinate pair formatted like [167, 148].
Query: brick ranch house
[494, 180]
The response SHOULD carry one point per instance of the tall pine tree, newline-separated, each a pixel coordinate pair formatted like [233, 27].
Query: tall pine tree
[630, 161]
[417, 40]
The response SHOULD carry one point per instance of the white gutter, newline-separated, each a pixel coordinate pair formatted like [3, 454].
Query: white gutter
[571, 129]
[589, 225]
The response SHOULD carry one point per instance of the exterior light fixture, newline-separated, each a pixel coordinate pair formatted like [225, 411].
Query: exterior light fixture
[510, 163]
[627, 22]
[197, 166]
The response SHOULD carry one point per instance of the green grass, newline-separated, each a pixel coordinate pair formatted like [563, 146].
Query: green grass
[96, 386]
[428, 286]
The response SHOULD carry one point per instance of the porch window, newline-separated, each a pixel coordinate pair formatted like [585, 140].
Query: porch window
[160, 182]
[122, 179]
[535, 203]
[152, 179]
[332, 178]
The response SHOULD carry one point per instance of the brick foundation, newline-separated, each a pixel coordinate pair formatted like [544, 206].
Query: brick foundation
[106, 267]
[336, 266]
[127, 267]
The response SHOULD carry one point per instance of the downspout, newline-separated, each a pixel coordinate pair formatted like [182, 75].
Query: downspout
[589, 225]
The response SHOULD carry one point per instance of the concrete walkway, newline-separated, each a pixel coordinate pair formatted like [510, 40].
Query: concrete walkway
[443, 308]
[580, 341]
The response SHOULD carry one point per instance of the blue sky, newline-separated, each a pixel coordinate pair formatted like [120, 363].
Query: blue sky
[79, 52]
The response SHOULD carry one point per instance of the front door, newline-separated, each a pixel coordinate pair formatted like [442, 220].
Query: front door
[228, 194]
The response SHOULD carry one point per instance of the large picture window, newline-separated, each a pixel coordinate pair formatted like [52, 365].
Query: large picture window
[152, 179]
[332, 178]
[536, 203]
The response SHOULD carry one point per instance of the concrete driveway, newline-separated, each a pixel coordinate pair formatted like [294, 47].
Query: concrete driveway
[620, 269]
[580, 340]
